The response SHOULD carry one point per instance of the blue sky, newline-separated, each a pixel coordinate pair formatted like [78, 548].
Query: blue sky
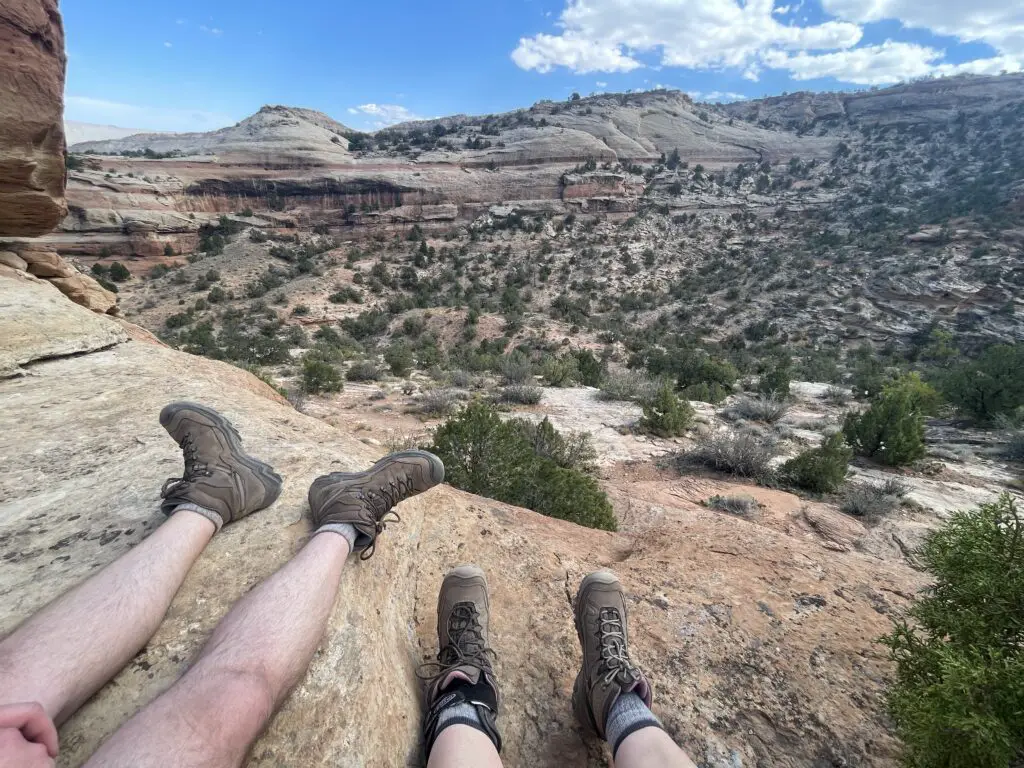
[199, 65]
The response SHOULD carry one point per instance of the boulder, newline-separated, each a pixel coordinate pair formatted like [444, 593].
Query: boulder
[32, 60]
[47, 264]
[85, 291]
[13, 260]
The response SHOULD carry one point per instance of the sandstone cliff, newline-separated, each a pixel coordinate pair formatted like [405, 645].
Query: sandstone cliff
[32, 65]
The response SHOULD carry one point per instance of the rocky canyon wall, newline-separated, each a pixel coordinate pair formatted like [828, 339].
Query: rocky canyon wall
[32, 174]
[32, 63]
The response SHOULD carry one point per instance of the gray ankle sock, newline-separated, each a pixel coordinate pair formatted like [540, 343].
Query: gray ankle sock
[459, 714]
[342, 529]
[209, 514]
[629, 714]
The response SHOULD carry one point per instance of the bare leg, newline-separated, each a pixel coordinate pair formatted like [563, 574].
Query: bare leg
[460, 746]
[651, 748]
[71, 648]
[258, 652]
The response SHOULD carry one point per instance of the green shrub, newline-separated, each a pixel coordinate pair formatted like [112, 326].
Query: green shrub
[119, 272]
[590, 368]
[494, 458]
[572, 451]
[516, 368]
[519, 394]
[775, 380]
[345, 294]
[560, 371]
[892, 429]
[178, 321]
[991, 385]
[665, 415]
[822, 469]
[399, 358]
[706, 393]
[959, 690]
[363, 370]
[318, 375]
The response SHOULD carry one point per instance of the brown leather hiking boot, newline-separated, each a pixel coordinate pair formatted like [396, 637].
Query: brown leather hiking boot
[219, 477]
[464, 674]
[363, 499]
[607, 672]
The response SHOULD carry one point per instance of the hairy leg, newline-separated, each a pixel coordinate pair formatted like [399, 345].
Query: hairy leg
[460, 746]
[258, 652]
[651, 748]
[71, 648]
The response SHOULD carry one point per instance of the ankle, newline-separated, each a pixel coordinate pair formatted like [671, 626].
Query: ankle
[197, 511]
[463, 703]
[346, 531]
[628, 714]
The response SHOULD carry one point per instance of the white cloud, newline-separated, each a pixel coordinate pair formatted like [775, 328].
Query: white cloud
[179, 22]
[89, 110]
[545, 52]
[168, 45]
[601, 84]
[602, 35]
[384, 114]
[1000, 23]
[716, 97]
[885, 64]
[211, 30]
[747, 35]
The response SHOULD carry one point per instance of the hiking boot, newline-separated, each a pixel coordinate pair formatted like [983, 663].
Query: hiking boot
[464, 672]
[607, 672]
[219, 477]
[364, 499]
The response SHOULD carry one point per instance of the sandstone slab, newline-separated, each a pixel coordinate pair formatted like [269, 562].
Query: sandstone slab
[759, 643]
[37, 322]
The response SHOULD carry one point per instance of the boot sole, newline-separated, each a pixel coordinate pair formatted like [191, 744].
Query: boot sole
[271, 481]
[580, 694]
[436, 468]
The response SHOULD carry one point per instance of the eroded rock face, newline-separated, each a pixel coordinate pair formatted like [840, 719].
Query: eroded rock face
[759, 642]
[32, 63]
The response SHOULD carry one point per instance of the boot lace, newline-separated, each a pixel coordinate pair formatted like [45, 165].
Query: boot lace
[614, 661]
[466, 647]
[194, 469]
[381, 502]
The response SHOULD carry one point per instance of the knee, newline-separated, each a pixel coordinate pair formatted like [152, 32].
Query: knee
[234, 700]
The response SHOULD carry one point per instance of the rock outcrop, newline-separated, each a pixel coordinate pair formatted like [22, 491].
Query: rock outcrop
[759, 643]
[925, 101]
[47, 265]
[32, 63]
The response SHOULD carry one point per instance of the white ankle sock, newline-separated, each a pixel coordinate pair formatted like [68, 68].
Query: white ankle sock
[209, 514]
[342, 529]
